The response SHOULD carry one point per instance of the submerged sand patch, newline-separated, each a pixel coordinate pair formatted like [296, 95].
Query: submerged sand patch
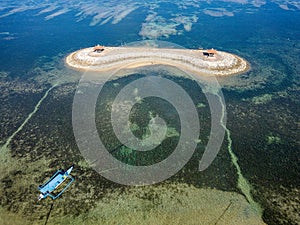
[169, 204]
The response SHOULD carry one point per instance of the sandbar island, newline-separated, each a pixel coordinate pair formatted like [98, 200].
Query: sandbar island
[203, 62]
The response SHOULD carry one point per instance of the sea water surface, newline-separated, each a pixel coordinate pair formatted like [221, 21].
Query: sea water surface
[262, 111]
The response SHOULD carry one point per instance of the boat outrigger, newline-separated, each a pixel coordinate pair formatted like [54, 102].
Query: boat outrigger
[54, 182]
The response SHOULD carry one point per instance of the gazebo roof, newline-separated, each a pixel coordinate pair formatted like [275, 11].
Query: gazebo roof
[211, 51]
[98, 47]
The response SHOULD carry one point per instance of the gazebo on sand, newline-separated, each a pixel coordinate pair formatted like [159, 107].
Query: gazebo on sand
[210, 52]
[98, 49]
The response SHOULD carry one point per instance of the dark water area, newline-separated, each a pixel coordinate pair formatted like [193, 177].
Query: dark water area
[34, 37]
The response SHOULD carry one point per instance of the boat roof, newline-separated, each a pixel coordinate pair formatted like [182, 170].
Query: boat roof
[53, 182]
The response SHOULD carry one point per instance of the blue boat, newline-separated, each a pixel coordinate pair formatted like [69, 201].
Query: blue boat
[54, 182]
